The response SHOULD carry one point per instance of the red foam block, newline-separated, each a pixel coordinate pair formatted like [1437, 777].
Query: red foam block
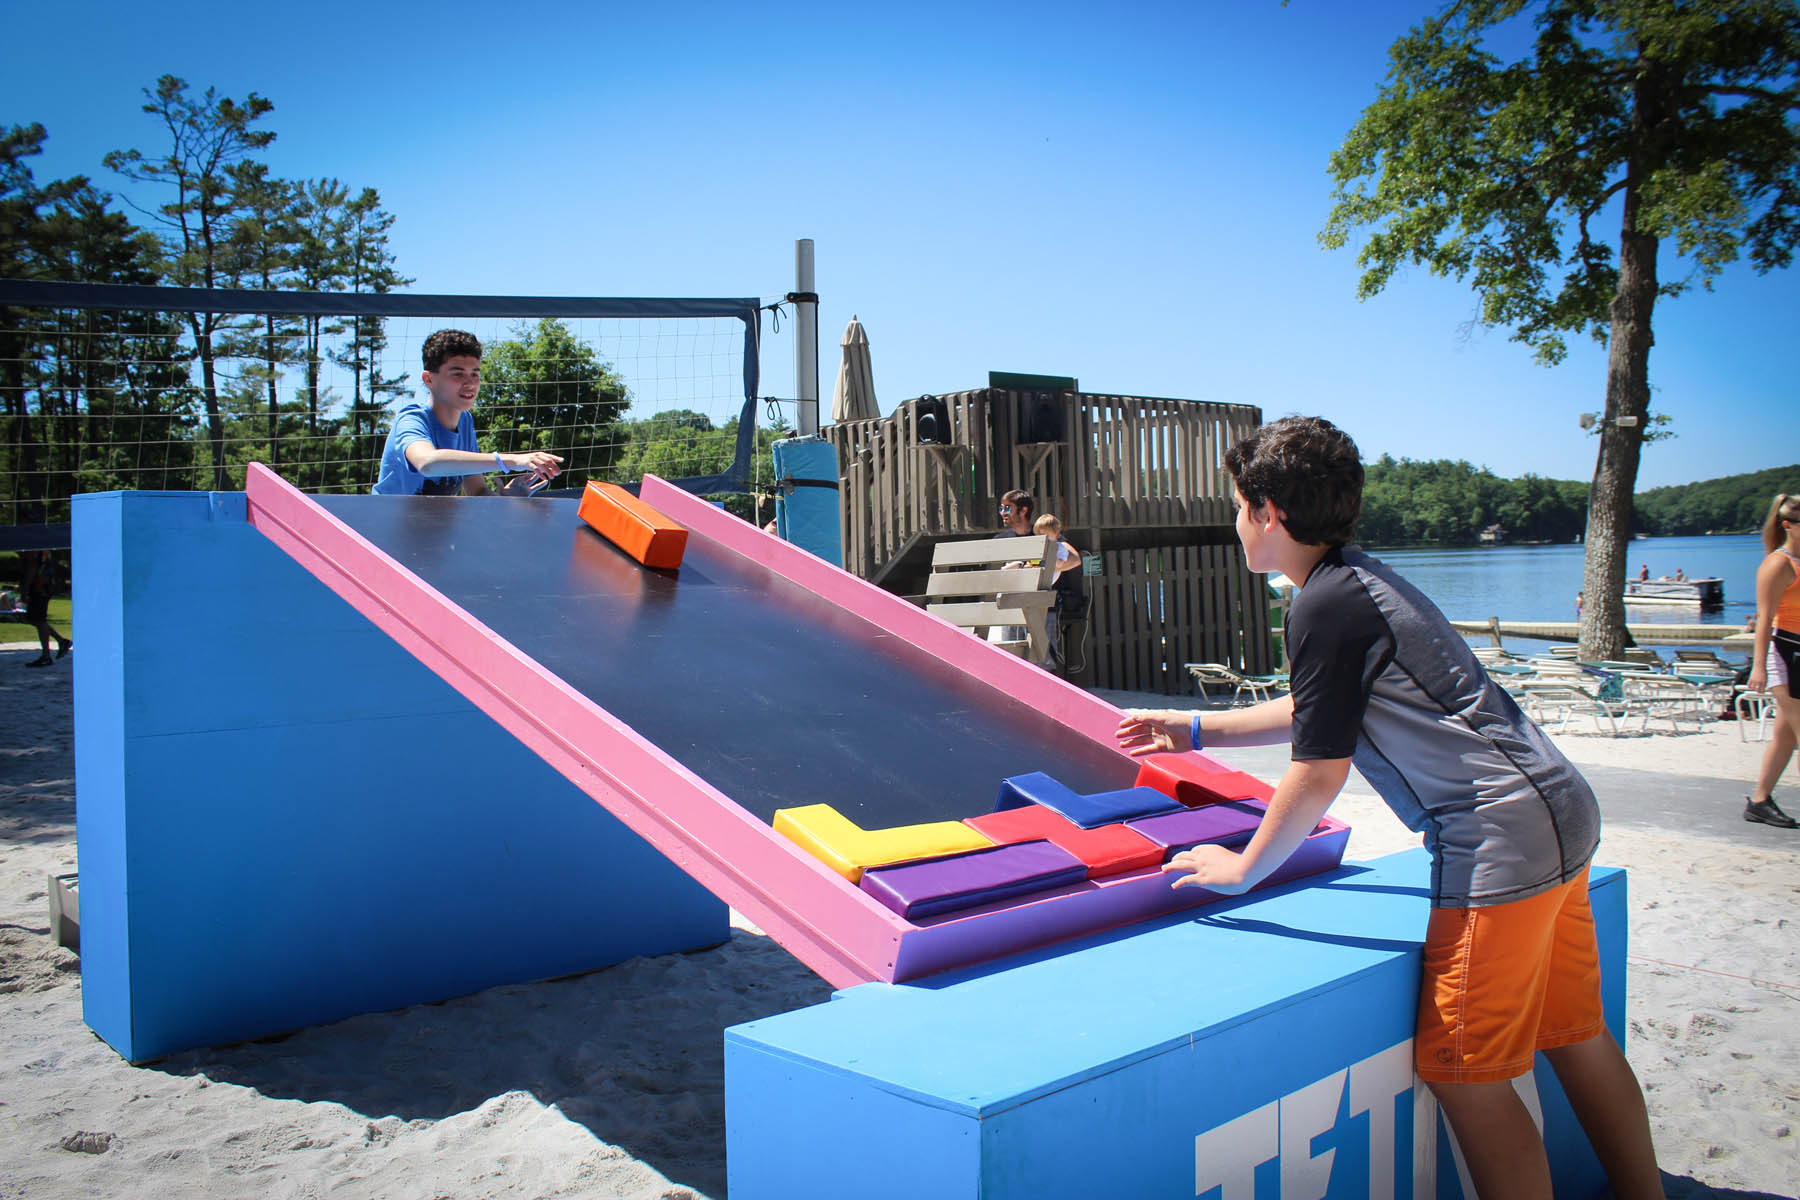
[1104, 850]
[1195, 781]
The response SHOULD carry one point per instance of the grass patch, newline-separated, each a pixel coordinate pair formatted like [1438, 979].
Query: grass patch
[60, 610]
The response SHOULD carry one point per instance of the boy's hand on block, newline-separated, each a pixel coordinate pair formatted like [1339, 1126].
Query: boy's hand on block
[1211, 867]
[1151, 731]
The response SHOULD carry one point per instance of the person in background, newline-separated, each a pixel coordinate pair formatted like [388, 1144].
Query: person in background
[38, 584]
[1775, 659]
[1017, 511]
[431, 450]
[1068, 566]
[1579, 598]
[1643, 570]
[1680, 575]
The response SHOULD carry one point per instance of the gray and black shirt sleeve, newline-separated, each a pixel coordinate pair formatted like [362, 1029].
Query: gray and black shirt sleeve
[1380, 677]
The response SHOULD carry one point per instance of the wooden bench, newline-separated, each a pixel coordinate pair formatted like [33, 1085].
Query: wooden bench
[970, 587]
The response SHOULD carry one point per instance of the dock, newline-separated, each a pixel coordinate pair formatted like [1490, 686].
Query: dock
[1729, 637]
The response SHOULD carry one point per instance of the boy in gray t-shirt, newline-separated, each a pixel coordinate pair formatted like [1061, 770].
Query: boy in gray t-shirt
[1382, 682]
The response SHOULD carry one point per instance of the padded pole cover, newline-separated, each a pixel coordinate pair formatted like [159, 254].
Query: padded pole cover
[633, 526]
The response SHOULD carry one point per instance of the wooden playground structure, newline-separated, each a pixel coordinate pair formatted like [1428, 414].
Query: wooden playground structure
[1139, 484]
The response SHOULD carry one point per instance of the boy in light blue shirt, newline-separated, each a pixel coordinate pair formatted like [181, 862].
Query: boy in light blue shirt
[431, 450]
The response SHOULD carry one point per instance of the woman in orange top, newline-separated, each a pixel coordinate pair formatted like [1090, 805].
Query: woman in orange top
[1775, 662]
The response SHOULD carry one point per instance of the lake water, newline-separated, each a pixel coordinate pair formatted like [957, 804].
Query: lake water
[1538, 583]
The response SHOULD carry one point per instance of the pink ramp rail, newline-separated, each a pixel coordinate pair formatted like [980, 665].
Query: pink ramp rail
[836, 929]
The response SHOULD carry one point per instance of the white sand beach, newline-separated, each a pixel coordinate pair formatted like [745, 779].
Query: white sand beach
[611, 1084]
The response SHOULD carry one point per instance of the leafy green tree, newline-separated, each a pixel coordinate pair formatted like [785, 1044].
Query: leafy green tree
[208, 137]
[1680, 112]
[23, 204]
[546, 389]
[82, 389]
[1733, 504]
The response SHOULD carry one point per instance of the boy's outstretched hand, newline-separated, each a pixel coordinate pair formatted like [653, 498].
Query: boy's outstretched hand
[1154, 731]
[1211, 867]
[541, 463]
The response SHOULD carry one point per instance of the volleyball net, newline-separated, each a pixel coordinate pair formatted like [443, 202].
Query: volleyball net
[106, 387]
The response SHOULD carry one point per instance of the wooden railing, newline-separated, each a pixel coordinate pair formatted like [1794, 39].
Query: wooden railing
[1155, 610]
[1122, 462]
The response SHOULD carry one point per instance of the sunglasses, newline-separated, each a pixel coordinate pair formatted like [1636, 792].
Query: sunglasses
[1006, 510]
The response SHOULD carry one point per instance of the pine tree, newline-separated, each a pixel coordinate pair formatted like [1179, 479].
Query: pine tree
[208, 137]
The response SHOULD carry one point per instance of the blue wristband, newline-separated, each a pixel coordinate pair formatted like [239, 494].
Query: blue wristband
[498, 464]
[1196, 732]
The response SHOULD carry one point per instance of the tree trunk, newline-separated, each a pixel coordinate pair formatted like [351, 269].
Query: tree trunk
[1603, 633]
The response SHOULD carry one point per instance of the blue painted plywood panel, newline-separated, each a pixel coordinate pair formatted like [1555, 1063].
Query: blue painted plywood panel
[305, 823]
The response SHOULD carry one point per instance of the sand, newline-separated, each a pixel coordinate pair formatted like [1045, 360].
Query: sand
[611, 1084]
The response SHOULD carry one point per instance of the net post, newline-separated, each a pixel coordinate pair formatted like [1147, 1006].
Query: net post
[806, 341]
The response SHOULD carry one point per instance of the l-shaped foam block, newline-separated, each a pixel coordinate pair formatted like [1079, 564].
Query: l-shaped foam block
[943, 885]
[1107, 849]
[633, 526]
[1100, 808]
[1227, 824]
[1194, 781]
[848, 849]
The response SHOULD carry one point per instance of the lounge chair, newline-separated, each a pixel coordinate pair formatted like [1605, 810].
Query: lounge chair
[1260, 687]
[1705, 660]
[1545, 700]
[1758, 707]
[1653, 697]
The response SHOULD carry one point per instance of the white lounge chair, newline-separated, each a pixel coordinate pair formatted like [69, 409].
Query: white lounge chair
[1260, 687]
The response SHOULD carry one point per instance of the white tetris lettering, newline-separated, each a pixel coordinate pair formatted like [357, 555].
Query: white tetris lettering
[1227, 1157]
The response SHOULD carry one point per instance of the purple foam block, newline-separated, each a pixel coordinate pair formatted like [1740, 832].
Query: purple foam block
[941, 885]
[1229, 824]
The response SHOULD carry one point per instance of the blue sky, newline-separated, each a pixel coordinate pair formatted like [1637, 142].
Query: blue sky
[1130, 195]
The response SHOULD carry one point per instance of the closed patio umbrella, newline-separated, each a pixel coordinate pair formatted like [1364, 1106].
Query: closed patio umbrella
[854, 397]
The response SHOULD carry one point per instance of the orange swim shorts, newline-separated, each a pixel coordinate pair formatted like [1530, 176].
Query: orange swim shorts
[1506, 981]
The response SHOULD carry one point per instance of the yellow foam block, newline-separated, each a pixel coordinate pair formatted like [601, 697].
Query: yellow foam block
[847, 848]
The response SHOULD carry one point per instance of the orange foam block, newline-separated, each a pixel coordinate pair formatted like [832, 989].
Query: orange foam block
[633, 526]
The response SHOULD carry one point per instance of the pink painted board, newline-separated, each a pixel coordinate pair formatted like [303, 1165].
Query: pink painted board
[837, 931]
[832, 926]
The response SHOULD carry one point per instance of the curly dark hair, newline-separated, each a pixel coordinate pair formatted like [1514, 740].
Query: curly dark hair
[448, 343]
[1311, 470]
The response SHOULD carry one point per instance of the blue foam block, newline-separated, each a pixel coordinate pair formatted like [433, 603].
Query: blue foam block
[1090, 811]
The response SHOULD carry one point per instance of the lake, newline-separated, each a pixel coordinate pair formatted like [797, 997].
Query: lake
[1538, 583]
